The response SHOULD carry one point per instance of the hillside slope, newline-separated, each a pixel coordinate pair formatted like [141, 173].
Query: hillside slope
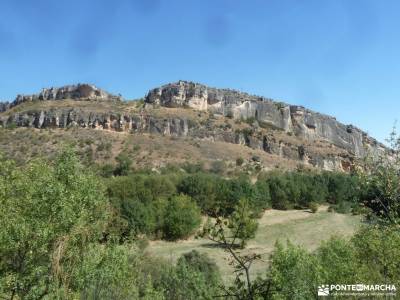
[274, 133]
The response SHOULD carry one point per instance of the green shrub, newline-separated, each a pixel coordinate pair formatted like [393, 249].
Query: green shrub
[279, 193]
[201, 263]
[295, 265]
[239, 161]
[203, 189]
[182, 217]
[107, 170]
[123, 165]
[50, 216]
[193, 168]
[343, 207]
[11, 125]
[186, 282]
[242, 223]
[372, 255]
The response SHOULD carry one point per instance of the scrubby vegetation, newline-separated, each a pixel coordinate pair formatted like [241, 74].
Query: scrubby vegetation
[68, 231]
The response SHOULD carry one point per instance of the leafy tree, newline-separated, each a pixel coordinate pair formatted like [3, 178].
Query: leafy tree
[185, 282]
[242, 223]
[48, 217]
[243, 286]
[294, 273]
[379, 175]
[203, 189]
[106, 273]
[378, 248]
[140, 216]
[182, 217]
[339, 261]
[279, 195]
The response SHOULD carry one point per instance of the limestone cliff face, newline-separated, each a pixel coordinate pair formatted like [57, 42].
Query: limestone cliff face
[143, 123]
[67, 118]
[286, 131]
[75, 92]
[297, 120]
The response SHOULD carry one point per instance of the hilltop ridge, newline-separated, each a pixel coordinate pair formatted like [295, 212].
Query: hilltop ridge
[195, 111]
[80, 91]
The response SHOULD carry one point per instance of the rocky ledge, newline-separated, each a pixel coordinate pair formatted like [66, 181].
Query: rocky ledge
[75, 92]
[293, 119]
[280, 129]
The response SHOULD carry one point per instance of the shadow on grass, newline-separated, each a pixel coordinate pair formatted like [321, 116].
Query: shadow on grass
[212, 245]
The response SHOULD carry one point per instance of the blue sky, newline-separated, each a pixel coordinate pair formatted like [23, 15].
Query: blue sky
[339, 57]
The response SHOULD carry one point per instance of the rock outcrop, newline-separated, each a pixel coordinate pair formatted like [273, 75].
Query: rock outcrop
[287, 131]
[67, 118]
[296, 120]
[74, 92]
[4, 106]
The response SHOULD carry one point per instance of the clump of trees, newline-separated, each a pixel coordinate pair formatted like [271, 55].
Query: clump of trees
[371, 256]
[306, 189]
[66, 233]
[143, 199]
[151, 205]
[60, 238]
[52, 217]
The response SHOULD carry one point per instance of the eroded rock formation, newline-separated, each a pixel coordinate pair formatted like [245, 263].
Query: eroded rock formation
[277, 128]
[293, 119]
[74, 92]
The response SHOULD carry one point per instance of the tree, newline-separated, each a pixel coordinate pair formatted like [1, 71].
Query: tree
[380, 177]
[278, 192]
[294, 273]
[242, 223]
[49, 215]
[124, 164]
[182, 217]
[243, 286]
[202, 188]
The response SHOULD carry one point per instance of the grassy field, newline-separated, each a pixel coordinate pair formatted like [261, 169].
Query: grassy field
[300, 227]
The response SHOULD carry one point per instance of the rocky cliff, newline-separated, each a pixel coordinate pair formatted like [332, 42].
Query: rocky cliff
[299, 121]
[75, 92]
[202, 113]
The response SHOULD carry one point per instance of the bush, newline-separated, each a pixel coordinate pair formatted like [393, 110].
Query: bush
[279, 193]
[201, 263]
[107, 170]
[372, 255]
[141, 200]
[343, 207]
[50, 216]
[242, 223]
[298, 189]
[295, 265]
[239, 161]
[123, 164]
[313, 207]
[182, 217]
[203, 188]
[187, 282]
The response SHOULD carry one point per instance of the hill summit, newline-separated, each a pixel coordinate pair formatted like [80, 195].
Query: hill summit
[196, 112]
[81, 91]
